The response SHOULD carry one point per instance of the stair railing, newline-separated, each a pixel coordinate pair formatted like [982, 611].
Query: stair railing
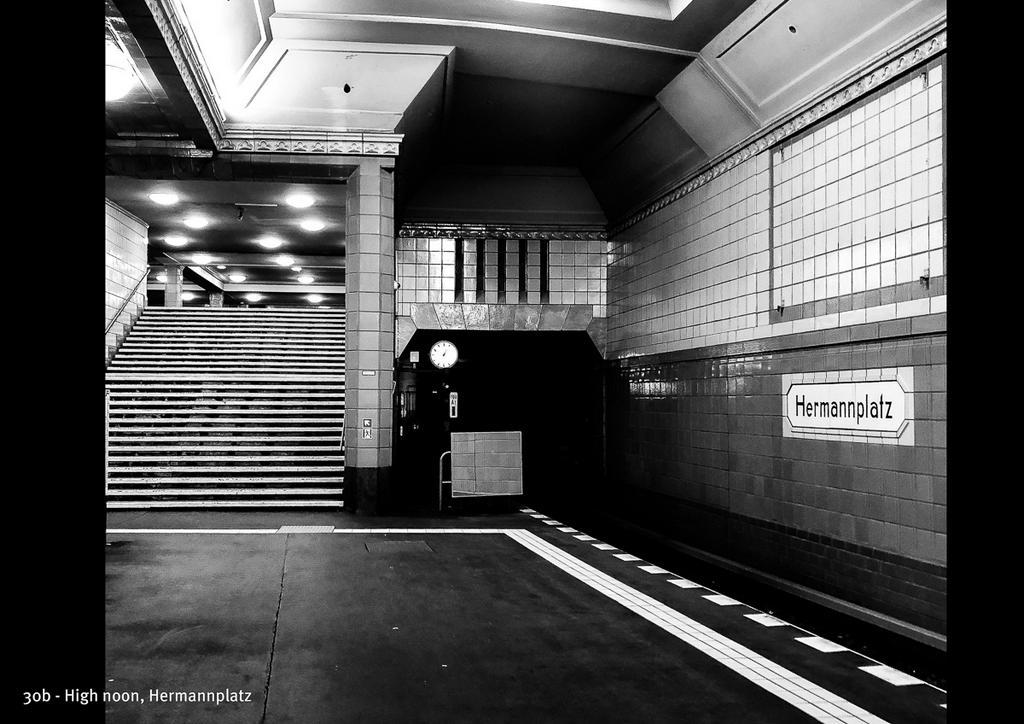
[128, 298]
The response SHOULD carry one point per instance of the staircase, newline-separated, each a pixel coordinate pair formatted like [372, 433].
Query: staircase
[228, 408]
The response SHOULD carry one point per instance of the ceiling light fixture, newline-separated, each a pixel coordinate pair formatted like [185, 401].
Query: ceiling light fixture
[300, 201]
[161, 277]
[314, 298]
[296, 268]
[120, 76]
[176, 240]
[188, 296]
[168, 199]
[306, 279]
[221, 267]
[237, 278]
[196, 222]
[284, 260]
[253, 297]
[270, 242]
[202, 258]
[312, 224]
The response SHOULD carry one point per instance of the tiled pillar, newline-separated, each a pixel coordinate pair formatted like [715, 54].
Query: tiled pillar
[172, 289]
[216, 299]
[369, 336]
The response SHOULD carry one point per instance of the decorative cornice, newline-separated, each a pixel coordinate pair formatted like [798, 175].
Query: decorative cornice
[200, 87]
[868, 82]
[430, 230]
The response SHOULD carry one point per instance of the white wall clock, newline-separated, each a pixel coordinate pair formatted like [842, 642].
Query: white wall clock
[443, 354]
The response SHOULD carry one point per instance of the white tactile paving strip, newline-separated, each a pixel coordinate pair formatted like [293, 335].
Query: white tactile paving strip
[765, 619]
[819, 703]
[893, 676]
[823, 645]
[721, 600]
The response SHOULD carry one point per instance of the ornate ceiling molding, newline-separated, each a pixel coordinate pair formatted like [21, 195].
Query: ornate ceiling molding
[866, 83]
[429, 230]
[200, 86]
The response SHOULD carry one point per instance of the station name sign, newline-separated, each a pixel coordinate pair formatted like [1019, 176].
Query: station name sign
[868, 406]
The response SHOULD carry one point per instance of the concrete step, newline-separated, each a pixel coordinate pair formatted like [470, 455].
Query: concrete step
[233, 394]
[237, 480]
[136, 449]
[121, 433]
[213, 356]
[142, 376]
[228, 469]
[119, 387]
[236, 492]
[295, 423]
[246, 456]
[201, 406]
[217, 504]
[124, 441]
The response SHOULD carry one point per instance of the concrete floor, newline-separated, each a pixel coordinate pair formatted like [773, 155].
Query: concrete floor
[448, 627]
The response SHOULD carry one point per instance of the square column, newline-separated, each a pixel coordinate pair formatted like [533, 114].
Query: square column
[369, 335]
[172, 289]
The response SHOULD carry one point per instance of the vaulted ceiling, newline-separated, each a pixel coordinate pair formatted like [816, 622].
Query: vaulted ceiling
[593, 106]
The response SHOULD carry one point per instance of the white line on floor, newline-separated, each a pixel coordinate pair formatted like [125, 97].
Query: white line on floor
[893, 676]
[819, 703]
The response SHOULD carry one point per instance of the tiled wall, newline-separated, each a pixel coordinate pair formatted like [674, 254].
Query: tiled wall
[574, 273]
[803, 258]
[836, 225]
[695, 445]
[127, 242]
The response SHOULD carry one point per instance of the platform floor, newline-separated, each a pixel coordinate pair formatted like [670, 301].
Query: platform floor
[512, 618]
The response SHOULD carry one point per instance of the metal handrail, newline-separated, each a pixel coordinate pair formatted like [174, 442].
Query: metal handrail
[117, 314]
[440, 481]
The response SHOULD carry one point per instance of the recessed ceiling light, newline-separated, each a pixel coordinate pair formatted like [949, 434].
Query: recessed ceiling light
[284, 260]
[306, 279]
[296, 268]
[237, 278]
[120, 78]
[253, 297]
[161, 277]
[176, 240]
[167, 199]
[188, 296]
[315, 298]
[196, 222]
[312, 224]
[300, 201]
[270, 242]
[202, 258]
[221, 266]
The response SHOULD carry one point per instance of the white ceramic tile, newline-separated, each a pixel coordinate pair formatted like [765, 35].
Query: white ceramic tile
[823, 645]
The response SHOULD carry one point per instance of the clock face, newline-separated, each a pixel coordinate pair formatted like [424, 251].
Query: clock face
[443, 354]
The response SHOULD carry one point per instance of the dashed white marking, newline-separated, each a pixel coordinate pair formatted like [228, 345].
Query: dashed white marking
[527, 510]
[568, 530]
[652, 569]
[823, 645]
[551, 522]
[942, 705]
[893, 676]
[626, 557]
[765, 620]
[584, 537]
[722, 600]
[196, 531]
[604, 546]
[819, 703]
[306, 529]
[538, 516]
[683, 583]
